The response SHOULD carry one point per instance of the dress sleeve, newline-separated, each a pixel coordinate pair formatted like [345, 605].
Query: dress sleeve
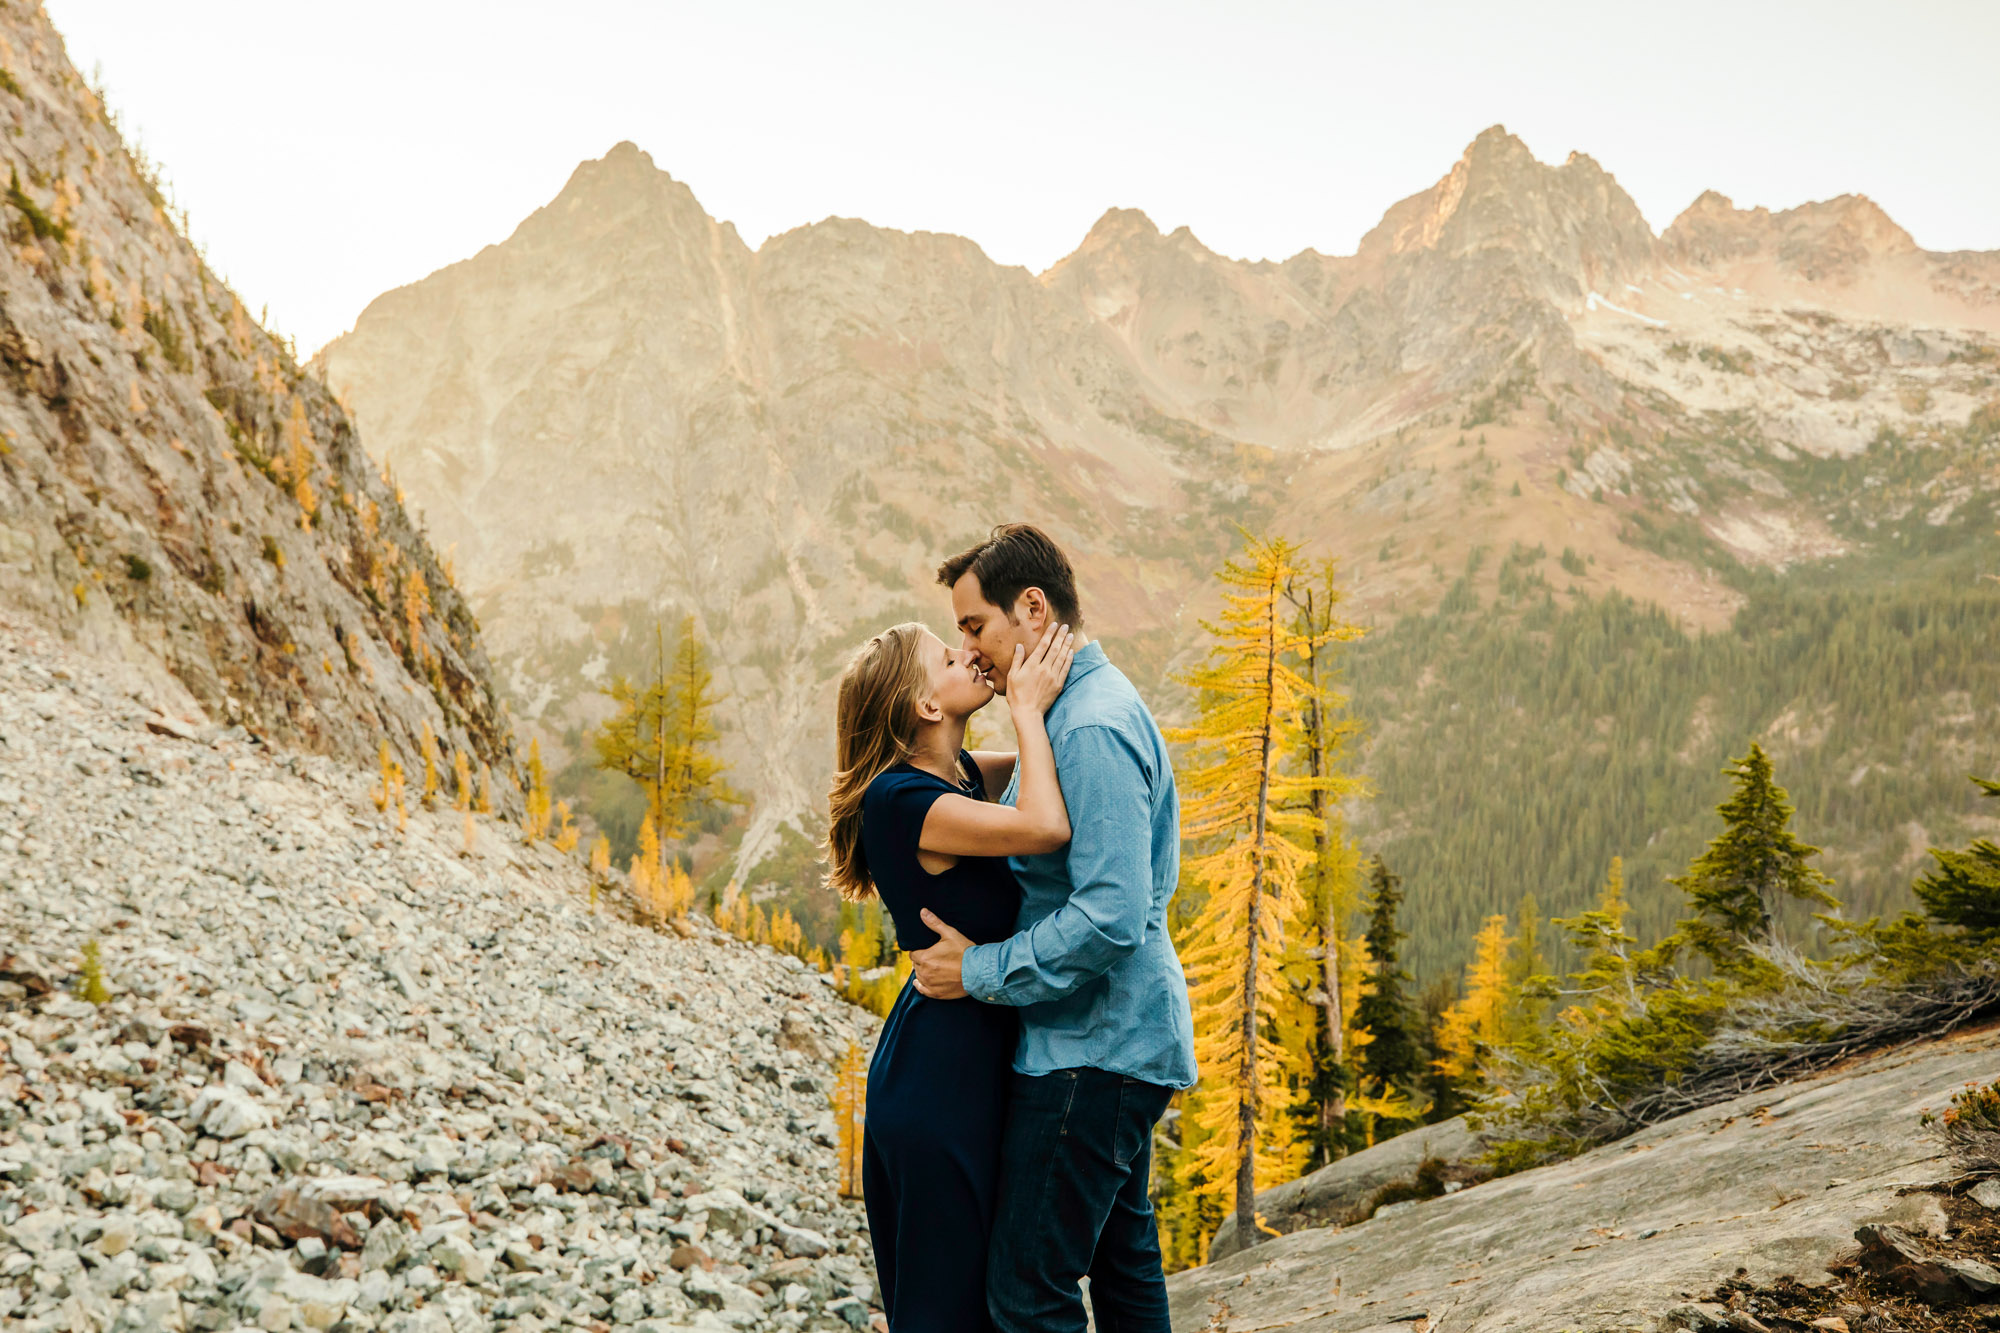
[900, 802]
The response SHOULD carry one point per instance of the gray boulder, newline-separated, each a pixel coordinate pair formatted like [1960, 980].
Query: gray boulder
[1329, 1194]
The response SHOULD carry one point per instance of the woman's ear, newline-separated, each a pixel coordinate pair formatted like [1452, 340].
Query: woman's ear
[928, 709]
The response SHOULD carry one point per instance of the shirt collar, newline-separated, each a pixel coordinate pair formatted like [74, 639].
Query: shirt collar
[1088, 659]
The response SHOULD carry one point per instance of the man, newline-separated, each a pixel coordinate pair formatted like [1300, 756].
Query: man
[1106, 1036]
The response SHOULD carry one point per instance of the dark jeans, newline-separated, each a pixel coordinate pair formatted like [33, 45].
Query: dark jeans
[1073, 1174]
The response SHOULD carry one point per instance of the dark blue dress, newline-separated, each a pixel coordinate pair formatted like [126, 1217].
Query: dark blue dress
[937, 1087]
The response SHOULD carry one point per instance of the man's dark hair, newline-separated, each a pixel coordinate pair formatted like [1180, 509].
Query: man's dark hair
[1013, 558]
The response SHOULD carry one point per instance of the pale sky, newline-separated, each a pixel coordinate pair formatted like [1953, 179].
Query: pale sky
[328, 152]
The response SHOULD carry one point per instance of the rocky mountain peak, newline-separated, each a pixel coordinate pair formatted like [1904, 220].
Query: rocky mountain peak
[1572, 222]
[1119, 226]
[1831, 240]
[620, 188]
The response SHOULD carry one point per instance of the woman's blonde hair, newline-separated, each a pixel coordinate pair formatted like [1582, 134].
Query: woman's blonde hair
[875, 728]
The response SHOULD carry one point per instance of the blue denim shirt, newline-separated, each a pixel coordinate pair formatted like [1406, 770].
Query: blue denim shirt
[1091, 965]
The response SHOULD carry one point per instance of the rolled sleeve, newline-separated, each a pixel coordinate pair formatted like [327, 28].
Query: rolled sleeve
[1108, 790]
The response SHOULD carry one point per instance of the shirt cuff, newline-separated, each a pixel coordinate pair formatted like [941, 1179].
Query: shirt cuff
[979, 973]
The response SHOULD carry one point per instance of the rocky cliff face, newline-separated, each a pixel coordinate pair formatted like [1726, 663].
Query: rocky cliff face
[622, 413]
[175, 492]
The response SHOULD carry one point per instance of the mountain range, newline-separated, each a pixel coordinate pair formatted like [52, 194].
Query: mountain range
[1514, 413]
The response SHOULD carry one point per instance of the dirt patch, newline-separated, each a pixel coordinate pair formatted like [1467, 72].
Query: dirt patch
[1868, 1303]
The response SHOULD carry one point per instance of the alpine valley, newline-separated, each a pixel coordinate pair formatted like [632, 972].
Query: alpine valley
[1612, 504]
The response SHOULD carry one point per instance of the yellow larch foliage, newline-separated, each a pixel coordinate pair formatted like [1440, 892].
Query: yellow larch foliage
[677, 897]
[787, 935]
[428, 748]
[567, 833]
[461, 776]
[850, 1096]
[1477, 1020]
[484, 805]
[390, 792]
[1249, 823]
[645, 872]
[416, 602]
[535, 820]
[298, 441]
[471, 835]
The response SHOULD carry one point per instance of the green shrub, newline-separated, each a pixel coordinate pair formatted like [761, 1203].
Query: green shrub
[41, 224]
[1969, 1129]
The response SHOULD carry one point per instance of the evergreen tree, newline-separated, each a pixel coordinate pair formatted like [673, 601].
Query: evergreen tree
[1749, 870]
[1964, 890]
[1393, 1056]
[1608, 980]
[1252, 823]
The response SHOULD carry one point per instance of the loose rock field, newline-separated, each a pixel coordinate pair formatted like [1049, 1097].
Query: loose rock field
[354, 1078]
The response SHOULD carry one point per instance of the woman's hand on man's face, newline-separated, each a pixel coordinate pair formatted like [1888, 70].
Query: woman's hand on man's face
[1038, 675]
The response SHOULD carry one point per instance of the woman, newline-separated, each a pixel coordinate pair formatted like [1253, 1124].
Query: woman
[914, 820]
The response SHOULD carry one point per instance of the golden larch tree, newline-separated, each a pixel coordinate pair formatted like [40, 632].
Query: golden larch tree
[1477, 1020]
[850, 1098]
[662, 734]
[535, 822]
[1332, 881]
[1249, 820]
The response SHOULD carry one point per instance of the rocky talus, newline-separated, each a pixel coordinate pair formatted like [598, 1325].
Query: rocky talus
[1772, 1191]
[348, 1077]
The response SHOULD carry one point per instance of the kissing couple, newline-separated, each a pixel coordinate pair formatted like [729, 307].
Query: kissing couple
[1013, 1094]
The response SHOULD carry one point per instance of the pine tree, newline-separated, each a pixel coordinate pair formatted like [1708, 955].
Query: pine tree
[1252, 822]
[1330, 881]
[1964, 890]
[1393, 1056]
[1608, 980]
[1749, 870]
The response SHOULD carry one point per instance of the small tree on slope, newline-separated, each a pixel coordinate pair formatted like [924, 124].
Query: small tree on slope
[1393, 1056]
[1749, 870]
[1964, 890]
